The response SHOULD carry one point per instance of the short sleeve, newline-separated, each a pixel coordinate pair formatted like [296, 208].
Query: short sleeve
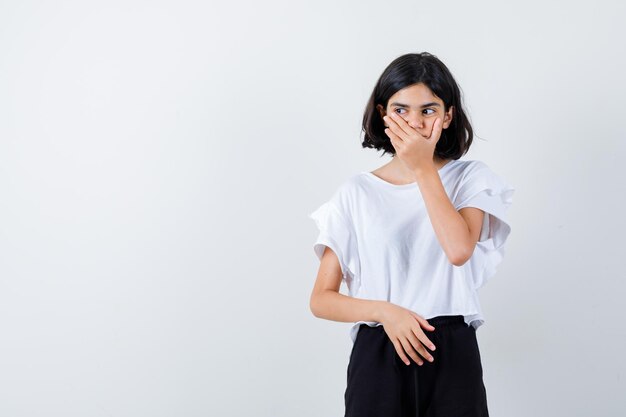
[336, 232]
[480, 187]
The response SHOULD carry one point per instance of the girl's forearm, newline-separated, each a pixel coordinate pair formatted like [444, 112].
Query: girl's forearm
[332, 305]
[449, 226]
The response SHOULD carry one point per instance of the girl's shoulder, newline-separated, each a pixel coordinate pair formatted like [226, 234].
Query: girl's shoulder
[470, 165]
[343, 193]
[473, 169]
[350, 185]
[348, 190]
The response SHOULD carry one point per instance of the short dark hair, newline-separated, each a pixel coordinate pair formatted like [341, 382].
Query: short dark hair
[408, 70]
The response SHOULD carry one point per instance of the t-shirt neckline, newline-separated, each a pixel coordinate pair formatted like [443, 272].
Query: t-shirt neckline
[409, 185]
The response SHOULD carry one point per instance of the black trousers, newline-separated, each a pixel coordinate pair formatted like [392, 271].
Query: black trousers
[380, 384]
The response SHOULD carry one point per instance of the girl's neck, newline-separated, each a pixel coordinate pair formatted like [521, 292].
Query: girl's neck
[396, 165]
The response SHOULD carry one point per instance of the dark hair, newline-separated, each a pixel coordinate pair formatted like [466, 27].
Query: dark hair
[403, 72]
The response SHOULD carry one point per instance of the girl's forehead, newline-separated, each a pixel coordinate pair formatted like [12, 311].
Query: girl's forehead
[415, 90]
[415, 94]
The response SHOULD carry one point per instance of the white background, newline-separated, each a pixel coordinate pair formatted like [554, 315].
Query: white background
[159, 159]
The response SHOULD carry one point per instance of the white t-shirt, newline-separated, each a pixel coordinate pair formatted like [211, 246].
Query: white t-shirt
[388, 249]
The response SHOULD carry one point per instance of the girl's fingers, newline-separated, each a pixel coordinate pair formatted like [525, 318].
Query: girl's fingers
[400, 352]
[422, 321]
[395, 141]
[404, 127]
[392, 126]
[436, 129]
[401, 123]
[424, 338]
[426, 341]
[410, 350]
[421, 336]
[392, 135]
[418, 344]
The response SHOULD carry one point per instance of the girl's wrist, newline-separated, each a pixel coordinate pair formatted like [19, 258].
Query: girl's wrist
[381, 310]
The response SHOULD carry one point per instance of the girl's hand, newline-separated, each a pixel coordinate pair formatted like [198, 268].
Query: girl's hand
[404, 329]
[413, 148]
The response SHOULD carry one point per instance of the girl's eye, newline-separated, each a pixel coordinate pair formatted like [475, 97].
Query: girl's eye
[398, 110]
[433, 110]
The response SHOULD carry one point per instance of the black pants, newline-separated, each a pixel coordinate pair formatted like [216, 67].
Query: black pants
[380, 384]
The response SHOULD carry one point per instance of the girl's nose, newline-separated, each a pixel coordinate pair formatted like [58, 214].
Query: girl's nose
[415, 121]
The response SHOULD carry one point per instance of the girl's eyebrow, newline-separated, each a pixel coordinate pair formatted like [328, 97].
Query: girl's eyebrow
[396, 104]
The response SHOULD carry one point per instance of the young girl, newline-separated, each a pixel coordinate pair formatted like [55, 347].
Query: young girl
[413, 240]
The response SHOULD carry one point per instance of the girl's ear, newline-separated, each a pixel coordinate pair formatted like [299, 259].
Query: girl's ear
[449, 115]
[381, 110]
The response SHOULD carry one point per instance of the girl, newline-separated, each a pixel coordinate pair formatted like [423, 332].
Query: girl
[413, 240]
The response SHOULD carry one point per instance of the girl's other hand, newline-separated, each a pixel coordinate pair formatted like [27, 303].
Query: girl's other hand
[404, 329]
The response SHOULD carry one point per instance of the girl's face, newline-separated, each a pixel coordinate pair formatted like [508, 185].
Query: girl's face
[419, 107]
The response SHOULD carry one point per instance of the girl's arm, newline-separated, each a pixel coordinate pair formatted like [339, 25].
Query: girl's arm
[403, 327]
[327, 303]
[457, 231]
